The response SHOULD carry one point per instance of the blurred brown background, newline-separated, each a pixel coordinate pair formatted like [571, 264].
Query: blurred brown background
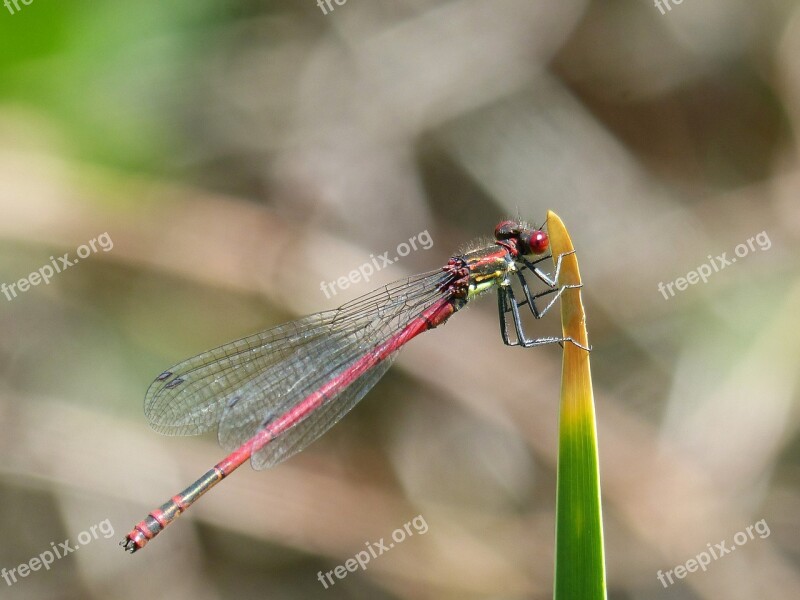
[240, 153]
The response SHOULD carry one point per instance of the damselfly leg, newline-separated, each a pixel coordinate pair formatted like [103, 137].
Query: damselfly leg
[507, 302]
[550, 280]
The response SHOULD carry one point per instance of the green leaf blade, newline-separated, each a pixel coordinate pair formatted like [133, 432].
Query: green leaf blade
[580, 561]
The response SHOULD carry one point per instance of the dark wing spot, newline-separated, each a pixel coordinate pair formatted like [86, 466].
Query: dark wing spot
[268, 419]
[165, 375]
[174, 383]
[232, 402]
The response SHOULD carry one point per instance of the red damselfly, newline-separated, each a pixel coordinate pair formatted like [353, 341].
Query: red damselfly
[271, 394]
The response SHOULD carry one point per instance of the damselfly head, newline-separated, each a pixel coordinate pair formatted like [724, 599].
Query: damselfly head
[506, 230]
[534, 241]
[531, 241]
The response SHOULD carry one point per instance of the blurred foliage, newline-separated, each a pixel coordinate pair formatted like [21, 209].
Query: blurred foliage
[100, 71]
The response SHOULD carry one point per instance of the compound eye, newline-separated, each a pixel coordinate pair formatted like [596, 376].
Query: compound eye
[506, 230]
[535, 242]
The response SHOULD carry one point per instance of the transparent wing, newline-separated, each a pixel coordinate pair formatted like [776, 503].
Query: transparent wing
[188, 398]
[326, 416]
[244, 384]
